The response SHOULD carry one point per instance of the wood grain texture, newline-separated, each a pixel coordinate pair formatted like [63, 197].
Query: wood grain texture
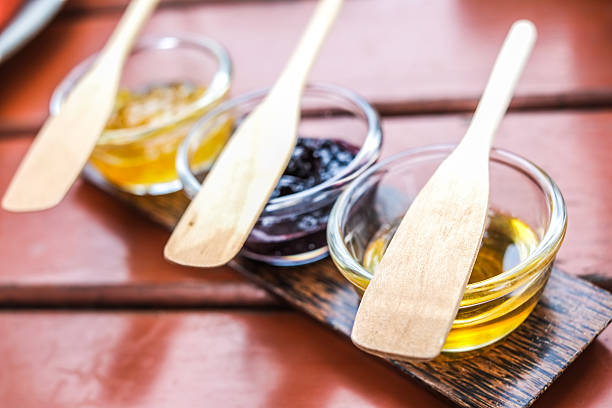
[361, 52]
[511, 373]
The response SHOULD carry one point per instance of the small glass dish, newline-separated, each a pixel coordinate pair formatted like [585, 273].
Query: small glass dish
[291, 228]
[493, 307]
[140, 159]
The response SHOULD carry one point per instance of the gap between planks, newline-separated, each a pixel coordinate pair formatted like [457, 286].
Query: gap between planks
[207, 295]
[87, 8]
[580, 102]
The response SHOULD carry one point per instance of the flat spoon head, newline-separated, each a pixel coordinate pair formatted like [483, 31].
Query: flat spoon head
[220, 218]
[409, 305]
[216, 223]
[66, 140]
[61, 147]
[411, 302]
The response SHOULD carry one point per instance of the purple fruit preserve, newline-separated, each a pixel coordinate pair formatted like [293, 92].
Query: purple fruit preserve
[312, 162]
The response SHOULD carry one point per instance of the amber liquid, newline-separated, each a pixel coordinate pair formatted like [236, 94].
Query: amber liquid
[150, 158]
[507, 241]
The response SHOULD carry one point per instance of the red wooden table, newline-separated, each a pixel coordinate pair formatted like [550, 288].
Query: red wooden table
[163, 335]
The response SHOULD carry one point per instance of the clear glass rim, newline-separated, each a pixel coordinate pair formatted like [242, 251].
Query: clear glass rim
[217, 88]
[549, 244]
[367, 155]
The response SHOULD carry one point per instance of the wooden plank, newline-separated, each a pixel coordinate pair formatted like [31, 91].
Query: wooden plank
[511, 373]
[160, 359]
[91, 250]
[389, 51]
[573, 147]
[189, 359]
[92, 241]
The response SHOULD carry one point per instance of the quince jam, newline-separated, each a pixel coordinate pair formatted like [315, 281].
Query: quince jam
[313, 161]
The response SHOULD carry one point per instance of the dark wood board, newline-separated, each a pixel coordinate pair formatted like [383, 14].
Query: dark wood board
[511, 373]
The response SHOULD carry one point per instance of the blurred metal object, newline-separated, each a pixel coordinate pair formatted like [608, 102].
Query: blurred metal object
[29, 20]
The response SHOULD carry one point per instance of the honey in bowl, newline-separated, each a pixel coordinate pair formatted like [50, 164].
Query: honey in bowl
[525, 228]
[507, 241]
[138, 147]
[154, 111]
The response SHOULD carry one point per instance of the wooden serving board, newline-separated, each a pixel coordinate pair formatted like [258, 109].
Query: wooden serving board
[514, 372]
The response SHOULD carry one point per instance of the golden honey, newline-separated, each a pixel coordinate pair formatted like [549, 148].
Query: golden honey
[141, 138]
[507, 242]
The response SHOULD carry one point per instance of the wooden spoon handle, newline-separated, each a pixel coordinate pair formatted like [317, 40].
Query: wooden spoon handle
[220, 218]
[409, 306]
[66, 140]
[124, 35]
[500, 87]
[296, 71]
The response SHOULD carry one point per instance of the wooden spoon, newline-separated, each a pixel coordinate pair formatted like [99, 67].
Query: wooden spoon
[220, 218]
[411, 302]
[66, 140]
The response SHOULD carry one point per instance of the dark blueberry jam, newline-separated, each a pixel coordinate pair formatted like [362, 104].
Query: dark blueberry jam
[313, 162]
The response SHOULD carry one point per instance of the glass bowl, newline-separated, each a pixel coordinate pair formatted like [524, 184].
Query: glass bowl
[291, 228]
[490, 308]
[140, 159]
